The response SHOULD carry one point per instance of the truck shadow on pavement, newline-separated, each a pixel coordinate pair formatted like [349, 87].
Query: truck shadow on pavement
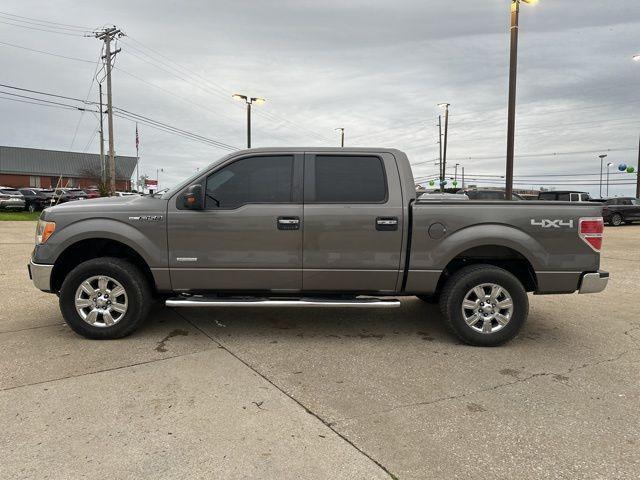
[414, 319]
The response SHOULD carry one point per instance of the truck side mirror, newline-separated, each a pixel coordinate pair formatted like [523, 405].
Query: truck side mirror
[192, 198]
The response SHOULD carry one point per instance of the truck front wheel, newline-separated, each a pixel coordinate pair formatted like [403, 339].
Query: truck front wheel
[484, 305]
[105, 298]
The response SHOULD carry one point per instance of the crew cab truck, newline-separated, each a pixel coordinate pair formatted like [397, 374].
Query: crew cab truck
[313, 227]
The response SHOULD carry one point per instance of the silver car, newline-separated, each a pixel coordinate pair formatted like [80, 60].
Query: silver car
[11, 199]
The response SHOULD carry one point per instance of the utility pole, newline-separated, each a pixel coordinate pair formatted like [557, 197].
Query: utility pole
[513, 76]
[441, 176]
[341, 136]
[107, 36]
[444, 148]
[463, 178]
[602, 157]
[103, 167]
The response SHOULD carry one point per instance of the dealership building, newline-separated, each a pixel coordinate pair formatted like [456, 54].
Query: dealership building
[33, 167]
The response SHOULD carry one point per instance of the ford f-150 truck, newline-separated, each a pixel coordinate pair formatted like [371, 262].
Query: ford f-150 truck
[313, 227]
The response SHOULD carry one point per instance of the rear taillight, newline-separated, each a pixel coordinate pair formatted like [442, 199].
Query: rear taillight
[590, 230]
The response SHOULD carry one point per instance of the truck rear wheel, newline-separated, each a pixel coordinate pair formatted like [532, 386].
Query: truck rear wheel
[484, 305]
[105, 298]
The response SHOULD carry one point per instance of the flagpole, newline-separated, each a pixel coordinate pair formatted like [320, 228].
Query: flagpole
[137, 160]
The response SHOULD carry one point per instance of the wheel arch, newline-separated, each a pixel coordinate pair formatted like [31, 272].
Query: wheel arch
[498, 255]
[96, 247]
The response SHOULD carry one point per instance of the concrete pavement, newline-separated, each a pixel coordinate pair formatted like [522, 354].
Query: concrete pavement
[303, 393]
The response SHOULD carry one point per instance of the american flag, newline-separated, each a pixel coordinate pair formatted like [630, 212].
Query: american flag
[137, 140]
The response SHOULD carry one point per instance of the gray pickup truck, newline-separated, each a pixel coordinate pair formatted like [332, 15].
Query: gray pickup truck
[313, 227]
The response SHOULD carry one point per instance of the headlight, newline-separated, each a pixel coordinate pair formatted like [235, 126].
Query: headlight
[44, 231]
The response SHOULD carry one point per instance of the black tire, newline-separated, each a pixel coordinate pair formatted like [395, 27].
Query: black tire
[430, 299]
[461, 283]
[132, 280]
[616, 220]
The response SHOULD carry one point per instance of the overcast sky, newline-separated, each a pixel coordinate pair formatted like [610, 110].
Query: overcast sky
[376, 68]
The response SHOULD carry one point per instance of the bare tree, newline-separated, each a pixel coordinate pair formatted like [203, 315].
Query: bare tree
[94, 174]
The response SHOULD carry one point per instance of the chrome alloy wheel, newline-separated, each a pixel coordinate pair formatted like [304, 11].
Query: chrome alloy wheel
[101, 301]
[487, 308]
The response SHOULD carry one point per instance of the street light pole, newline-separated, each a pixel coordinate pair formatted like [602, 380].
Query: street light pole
[444, 147]
[638, 170]
[602, 157]
[341, 136]
[455, 174]
[441, 176]
[608, 165]
[249, 101]
[513, 75]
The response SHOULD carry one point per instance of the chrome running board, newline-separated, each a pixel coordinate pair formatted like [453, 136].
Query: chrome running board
[201, 301]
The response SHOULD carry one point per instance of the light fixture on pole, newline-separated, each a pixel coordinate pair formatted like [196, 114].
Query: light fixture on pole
[608, 165]
[341, 135]
[444, 147]
[249, 101]
[513, 75]
[637, 57]
[602, 157]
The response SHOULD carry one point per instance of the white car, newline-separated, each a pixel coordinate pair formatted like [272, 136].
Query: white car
[11, 199]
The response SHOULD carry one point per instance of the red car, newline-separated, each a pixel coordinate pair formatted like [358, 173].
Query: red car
[92, 192]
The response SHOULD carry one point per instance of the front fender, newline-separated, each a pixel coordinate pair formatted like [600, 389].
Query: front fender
[150, 244]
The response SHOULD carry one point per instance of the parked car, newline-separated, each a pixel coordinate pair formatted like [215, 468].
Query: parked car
[63, 195]
[243, 232]
[482, 194]
[565, 196]
[11, 199]
[92, 193]
[619, 210]
[37, 198]
[125, 194]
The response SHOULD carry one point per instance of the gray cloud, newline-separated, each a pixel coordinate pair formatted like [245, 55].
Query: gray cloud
[377, 68]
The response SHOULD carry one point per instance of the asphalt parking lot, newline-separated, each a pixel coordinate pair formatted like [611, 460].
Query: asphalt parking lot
[322, 393]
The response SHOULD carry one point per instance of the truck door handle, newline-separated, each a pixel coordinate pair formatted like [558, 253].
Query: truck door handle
[387, 224]
[288, 223]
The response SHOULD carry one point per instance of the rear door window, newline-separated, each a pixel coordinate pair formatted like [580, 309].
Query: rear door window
[349, 179]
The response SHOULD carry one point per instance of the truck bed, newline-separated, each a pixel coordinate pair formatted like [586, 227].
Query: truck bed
[543, 234]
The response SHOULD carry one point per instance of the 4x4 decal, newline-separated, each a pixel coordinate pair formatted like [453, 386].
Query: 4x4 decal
[557, 223]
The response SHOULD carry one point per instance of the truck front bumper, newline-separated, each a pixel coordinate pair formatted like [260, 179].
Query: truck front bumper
[40, 275]
[594, 282]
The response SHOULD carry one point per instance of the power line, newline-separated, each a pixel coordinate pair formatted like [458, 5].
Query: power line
[74, 107]
[93, 79]
[13, 87]
[46, 53]
[173, 94]
[49, 22]
[198, 81]
[151, 122]
[38, 102]
[122, 113]
[42, 29]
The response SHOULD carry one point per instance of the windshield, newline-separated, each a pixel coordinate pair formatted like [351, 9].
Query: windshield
[188, 181]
